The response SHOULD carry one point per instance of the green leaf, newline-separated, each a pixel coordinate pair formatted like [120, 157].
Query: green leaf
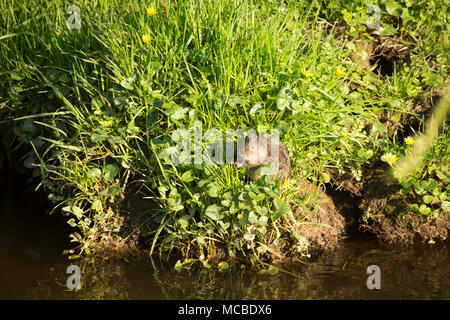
[255, 109]
[72, 222]
[187, 176]
[427, 199]
[263, 220]
[28, 126]
[183, 221]
[77, 212]
[378, 128]
[178, 266]
[224, 226]
[111, 191]
[388, 30]
[256, 197]
[213, 189]
[252, 217]
[430, 184]
[127, 83]
[99, 135]
[155, 65]
[268, 169]
[94, 173]
[213, 213]
[110, 171]
[446, 206]
[271, 271]
[393, 8]
[97, 205]
[365, 154]
[120, 102]
[281, 209]
[382, 143]
[223, 266]
[404, 191]
[414, 208]
[261, 210]
[430, 78]
[179, 113]
[424, 209]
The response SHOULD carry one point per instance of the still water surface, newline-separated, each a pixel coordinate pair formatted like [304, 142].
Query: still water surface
[33, 267]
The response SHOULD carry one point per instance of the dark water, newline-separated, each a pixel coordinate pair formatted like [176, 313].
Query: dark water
[33, 267]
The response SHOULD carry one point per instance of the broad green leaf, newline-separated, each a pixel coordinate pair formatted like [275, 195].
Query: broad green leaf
[378, 128]
[393, 8]
[77, 211]
[213, 213]
[446, 206]
[213, 189]
[94, 173]
[271, 271]
[178, 266]
[427, 199]
[281, 209]
[388, 30]
[127, 83]
[223, 266]
[252, 217]
[97, 205]
[187, 176]
[424, 209]
[110, 171]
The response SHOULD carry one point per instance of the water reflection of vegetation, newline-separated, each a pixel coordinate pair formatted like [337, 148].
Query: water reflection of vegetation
[406, 273]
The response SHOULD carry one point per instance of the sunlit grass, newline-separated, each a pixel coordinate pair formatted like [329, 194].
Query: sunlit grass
[95, 110]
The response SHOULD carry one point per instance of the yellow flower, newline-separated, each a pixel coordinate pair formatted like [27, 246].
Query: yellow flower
[146, 38]
[286, 183]
[339, 72]
[390, 158]
[409, 140]
[151, 11]
[240, 216]
[306, 73]
[106, 123]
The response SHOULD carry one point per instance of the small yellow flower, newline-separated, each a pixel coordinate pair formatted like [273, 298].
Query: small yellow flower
[345, 135]
[339, 72]
[240, 216]
[306, 73]
[409, 140]
[151, 11]
[390, 158]
[106, 123]
[146, 38]
[285, 183]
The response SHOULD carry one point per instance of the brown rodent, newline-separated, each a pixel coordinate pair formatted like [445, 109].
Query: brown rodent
[261, 150]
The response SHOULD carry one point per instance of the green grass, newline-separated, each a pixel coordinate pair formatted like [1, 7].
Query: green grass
[95, 109]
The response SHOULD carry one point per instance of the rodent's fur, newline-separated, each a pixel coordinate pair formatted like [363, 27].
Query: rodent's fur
[261, 150]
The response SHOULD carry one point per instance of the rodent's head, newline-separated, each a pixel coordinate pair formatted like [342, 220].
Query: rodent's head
[254, 151]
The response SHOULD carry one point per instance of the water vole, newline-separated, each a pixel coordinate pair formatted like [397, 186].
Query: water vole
[261, 150]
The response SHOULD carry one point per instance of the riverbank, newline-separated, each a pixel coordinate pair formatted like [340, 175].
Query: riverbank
[101, 103]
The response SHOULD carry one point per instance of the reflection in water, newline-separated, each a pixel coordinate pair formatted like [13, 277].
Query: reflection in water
[33, 267]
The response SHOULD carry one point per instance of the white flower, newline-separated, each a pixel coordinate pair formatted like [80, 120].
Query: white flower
[249, 237]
